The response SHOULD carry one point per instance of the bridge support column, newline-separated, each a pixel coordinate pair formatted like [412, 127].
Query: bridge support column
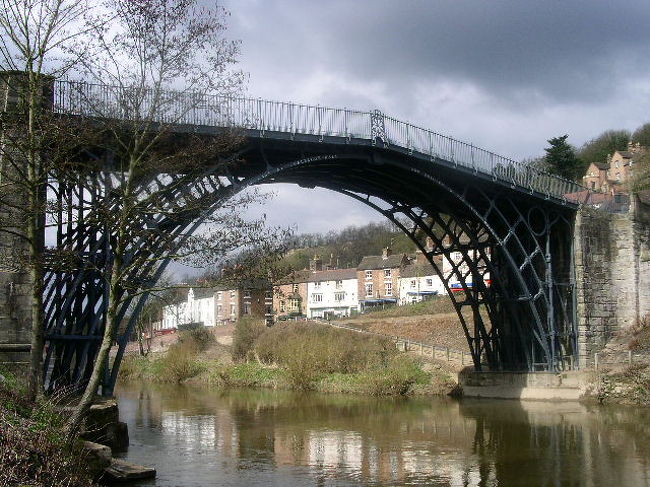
[15, 282]
[612, 258]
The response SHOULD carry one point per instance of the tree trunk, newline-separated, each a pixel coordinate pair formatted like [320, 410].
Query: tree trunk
[102, 356]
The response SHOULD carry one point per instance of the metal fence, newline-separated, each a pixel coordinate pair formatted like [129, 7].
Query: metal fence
[187, 108]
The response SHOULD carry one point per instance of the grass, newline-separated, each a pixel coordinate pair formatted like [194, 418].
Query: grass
[33, 448]
[433, 305]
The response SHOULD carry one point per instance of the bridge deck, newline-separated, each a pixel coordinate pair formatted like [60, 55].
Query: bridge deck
[290, 121]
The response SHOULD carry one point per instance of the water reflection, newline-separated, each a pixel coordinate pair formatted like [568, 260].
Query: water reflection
[201, 437]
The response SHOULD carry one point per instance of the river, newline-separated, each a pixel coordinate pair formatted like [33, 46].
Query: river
[197, 436]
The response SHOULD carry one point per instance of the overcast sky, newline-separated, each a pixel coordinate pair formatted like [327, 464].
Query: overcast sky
[505, 75]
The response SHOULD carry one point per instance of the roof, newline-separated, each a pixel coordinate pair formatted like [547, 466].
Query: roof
[295, 277]
[418, 270]
[378, 262]
[203, 292]
[625, 153]
[334, 275]
[603, 166]
[239, 284]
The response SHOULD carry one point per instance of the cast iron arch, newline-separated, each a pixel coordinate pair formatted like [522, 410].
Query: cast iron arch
[489, 229]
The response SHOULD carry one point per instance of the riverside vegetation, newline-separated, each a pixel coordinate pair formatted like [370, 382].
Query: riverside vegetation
[34, 448]
[295, 355]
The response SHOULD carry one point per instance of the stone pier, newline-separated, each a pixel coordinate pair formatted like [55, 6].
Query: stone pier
[612, 259]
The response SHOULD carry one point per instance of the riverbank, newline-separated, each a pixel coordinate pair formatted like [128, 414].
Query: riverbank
[34, 449]
[292, 356]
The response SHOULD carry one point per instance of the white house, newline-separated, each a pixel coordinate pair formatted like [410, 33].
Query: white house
[332, 293]
[174, 314]
[199, 307]
[458, 265]
[418, 282]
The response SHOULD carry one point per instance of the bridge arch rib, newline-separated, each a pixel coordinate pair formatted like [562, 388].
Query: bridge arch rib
[523, 321]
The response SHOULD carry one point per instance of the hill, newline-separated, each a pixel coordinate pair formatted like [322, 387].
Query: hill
[348, 246]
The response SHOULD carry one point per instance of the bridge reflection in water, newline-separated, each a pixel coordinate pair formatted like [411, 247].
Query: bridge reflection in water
[200, 437]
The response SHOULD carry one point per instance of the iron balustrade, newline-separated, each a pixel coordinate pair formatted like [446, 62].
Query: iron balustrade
[188, 108]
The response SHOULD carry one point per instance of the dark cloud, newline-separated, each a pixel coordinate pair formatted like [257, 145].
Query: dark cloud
[561, 50]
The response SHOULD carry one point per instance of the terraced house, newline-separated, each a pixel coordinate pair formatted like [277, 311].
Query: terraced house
[332, 293]
[378, 279]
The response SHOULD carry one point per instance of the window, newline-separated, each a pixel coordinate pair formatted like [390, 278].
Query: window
[247, 293]
[294, 288]
[219, 309]
[268, 295]
[389, 289]
[369, 290]
[339, 284]
[413, 283]
[247, 308]
[317, 285]
[282, 308]
[387, 273]
[219, 296]
[429, 282]
[232, 294]
[232, 310]
[316, 298]
[368, 275]
[339, 296]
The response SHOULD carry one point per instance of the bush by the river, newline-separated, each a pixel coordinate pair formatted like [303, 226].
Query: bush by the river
[293, 355]
[179, 363]
[34, 450]
[308, 351]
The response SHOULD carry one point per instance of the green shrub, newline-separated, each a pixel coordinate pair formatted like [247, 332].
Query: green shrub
[134, 366]
[247, 331]
[200, 336]
[328, 349]
[396, 378]
[179, 363]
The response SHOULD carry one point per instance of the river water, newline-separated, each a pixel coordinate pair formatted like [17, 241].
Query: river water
[205, 437]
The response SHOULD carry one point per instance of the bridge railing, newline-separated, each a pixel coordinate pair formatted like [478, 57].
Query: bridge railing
[185, 108]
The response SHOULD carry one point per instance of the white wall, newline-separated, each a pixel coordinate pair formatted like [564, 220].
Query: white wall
[328, 290]
[415, 285]
[191, 311]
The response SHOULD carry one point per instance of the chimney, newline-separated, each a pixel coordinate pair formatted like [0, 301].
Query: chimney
[385, 253]
[316, 264]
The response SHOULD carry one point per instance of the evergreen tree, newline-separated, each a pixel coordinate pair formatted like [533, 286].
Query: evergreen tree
[561, 159]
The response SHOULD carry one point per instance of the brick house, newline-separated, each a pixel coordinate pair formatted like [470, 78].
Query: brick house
[378, 278]
[250, 298]
[290, 295]
[218, 305]
[613, 175]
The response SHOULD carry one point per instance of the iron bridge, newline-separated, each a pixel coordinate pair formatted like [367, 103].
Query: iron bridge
[485, 214]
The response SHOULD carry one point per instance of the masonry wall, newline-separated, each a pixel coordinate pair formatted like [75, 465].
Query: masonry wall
[15, 288]
[612, 274]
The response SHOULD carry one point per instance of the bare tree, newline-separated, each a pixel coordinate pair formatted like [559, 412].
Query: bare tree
[158, 181]
[34, 39]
